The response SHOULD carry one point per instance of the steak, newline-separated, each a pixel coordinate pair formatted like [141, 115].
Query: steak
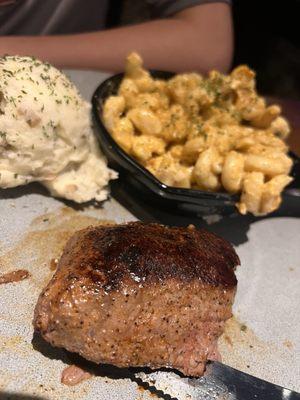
[140, 295]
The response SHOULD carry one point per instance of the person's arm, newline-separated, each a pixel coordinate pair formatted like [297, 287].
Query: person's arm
[196, 39]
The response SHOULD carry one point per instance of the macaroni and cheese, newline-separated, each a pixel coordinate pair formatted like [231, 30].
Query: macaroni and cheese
[211, 133]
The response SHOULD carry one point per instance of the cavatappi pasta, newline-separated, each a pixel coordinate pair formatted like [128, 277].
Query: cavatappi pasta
[211, 133]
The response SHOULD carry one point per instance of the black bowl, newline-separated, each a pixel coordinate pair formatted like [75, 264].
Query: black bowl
[147, 186]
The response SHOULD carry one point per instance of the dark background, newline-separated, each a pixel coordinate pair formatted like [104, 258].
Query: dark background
[267, 38]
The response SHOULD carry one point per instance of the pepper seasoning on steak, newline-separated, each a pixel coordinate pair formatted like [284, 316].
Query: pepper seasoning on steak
[140, 295]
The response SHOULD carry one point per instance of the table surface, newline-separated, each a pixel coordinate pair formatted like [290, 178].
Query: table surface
[267, 301]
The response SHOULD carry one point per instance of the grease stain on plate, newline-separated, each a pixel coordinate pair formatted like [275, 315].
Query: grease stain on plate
[44, 242]
[239, 339]
[10, 342]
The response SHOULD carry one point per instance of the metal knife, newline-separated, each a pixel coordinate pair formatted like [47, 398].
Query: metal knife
[247, 387]
[219, 383]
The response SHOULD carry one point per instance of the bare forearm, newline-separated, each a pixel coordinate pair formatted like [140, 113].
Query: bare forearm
[179, 43]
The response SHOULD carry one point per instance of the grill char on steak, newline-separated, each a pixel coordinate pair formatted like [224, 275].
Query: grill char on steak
[140, 295]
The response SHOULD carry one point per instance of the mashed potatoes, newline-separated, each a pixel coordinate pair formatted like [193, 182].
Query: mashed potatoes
[46, 134]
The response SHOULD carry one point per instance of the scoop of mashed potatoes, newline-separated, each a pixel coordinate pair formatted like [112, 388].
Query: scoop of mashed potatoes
[46, 133]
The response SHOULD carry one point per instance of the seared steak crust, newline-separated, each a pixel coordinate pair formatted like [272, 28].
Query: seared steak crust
[140, 294]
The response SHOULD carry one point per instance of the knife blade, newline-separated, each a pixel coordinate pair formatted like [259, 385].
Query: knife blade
[247, 387]
[220, 382]
[242, 386]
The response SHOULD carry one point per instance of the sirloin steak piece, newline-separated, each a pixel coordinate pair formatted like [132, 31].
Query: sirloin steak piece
[140, 295]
